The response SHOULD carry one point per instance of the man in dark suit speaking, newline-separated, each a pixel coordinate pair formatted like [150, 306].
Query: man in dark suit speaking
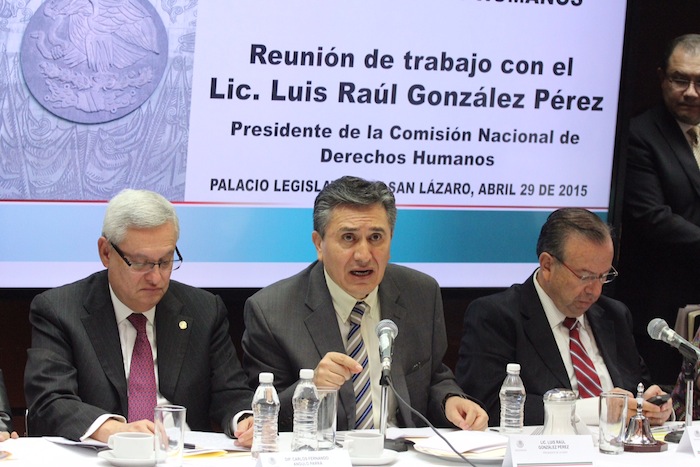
[108, 348]
[325, 318]
[558, 327]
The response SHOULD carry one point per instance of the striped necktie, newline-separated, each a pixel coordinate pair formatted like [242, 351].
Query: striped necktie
[586, 376]
[694, 132]
[360, 381]
[142, 376]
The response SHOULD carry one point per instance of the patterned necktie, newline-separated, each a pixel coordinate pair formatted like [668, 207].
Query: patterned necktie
[587, 377]
[695, 142]
[142, 377]
[360, 381]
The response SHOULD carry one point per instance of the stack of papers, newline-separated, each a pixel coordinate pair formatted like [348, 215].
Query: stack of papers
[197, 444]
[465, 442]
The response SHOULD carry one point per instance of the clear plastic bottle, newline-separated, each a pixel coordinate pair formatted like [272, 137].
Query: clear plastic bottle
[512, 396]
[305, 402]
[266, 408]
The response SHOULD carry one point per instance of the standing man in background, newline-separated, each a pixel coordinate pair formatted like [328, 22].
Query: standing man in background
[660, 237]
[108, 348]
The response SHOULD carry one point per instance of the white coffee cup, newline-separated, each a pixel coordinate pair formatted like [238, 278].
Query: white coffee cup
[364, 444]
[131, 445]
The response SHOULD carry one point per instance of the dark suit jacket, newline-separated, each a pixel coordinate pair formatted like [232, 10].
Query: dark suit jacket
[511, 327]
[75, 371]
[660, 236]
[292, 324]
[5, 411]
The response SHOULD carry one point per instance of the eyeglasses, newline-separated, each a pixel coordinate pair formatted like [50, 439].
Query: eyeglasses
[590, 278]
[147, 266]
[682, 84]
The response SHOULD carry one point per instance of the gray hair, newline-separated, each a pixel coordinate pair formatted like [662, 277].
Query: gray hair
[352, 192]
[140, 209]
[565, 222]
[688, 42]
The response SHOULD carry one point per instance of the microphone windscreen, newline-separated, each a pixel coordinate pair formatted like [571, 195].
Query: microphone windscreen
[387, 325]
[655, 327]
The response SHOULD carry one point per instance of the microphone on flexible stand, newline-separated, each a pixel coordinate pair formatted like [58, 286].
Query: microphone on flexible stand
[386, 332]
[658, 329]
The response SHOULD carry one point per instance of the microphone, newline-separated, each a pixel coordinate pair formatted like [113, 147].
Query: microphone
[658, 329]
[386, 332]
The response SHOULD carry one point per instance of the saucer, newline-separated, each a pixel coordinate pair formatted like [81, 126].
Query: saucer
[388, 456]
[108, 455]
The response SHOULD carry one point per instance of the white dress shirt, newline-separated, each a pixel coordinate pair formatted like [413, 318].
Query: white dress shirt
[684, 128]
[586, 409]
[127, 338]
[343, 304]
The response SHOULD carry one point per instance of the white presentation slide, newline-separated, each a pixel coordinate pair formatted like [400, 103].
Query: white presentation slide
[482, 116]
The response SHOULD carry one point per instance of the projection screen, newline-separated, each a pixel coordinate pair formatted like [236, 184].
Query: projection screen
[482, 116]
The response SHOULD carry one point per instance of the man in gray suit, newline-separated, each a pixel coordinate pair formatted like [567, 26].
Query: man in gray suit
[79, 367]
[304, 321]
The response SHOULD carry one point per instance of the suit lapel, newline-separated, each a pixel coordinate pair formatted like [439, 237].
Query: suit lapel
[604, 332]
[322, 316]
[539, 333]
[101, 327]
[671, 132]
[389, 295]
[172, 337]
[322, 325]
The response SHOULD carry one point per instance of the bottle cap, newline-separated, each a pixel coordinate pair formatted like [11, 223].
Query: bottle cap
[306, 373]
[513, 368]
[265, 377]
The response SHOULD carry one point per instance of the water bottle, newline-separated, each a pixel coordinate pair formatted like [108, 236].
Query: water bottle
[266, 408]
[305, 403]
[512, 396]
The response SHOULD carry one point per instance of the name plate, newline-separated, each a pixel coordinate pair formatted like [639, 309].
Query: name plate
[331, 458]
[524, 450]
[690, 441]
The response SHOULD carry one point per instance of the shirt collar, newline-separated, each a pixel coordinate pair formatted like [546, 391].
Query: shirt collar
[122, 311]
[554, 316]
[684, 128]
[343, 302]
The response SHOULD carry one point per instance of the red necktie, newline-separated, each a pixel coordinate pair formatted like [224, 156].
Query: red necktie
[586, 376]
[142, 377]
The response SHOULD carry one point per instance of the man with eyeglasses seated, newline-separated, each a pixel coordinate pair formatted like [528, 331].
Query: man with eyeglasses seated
[108, 348]
[660, 241]
[558, 327]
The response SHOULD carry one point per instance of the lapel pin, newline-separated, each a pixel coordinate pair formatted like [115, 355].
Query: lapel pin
[183, 325]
